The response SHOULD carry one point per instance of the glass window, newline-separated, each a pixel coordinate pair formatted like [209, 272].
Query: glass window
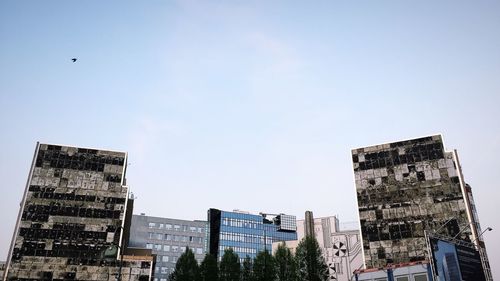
[184, 238]
[177, 227]
[168, 226]
[175, 248]
[164, 259]
[149, 246]
[158, 247]
[174, 259]
[200, 230]
[159, 236]
[164, 270]
[151, 235]
[168, 237]
[166, 248]
[184, 228]
[152, 225]
[402, 278]
[420, 277]
[176, 237]
[192, 228]
[199, 251]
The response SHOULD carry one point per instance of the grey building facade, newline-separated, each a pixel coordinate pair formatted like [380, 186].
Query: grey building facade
[168, 239]
[74, 209]
[406, 188]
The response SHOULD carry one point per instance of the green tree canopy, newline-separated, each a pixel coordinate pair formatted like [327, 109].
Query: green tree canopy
[186, 268]
[209, 270]
[246, 270]
[229, 267]
[286, 265]
[264, 268]
[310, 262]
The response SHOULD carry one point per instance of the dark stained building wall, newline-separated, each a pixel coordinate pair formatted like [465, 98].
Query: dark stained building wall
[73, 209]
[404, 188]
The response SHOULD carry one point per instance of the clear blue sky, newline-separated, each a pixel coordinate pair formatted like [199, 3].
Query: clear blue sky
[252, 105]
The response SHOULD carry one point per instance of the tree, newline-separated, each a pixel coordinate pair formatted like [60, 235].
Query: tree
[264, 268]
[310, 262]
[286, 266]
[246, 270]
[186, 268]
[229, 267]
[209, 270]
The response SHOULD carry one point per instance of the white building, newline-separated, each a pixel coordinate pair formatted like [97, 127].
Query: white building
[341, 248]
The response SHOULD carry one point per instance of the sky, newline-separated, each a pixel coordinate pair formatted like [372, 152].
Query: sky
[250, 105]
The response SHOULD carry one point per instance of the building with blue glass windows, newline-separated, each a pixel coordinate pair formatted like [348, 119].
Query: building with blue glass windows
[247, 234]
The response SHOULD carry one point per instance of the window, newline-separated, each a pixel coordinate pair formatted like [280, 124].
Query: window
[184, 228]
[166, 248]
[159, 236]
[164, 270]
[149, 246]
[168, 237]
[158, 247]
[184, 239]
[177, 227]
[168, 226]
[175, 249]
[199, 251]
[183, 249]
[152, 225]
[174, 259]
[420, 277]
[192, 228]
[164, 259]
[151, 235]
[161, 225]
[176, 237]
[402, 278]
[200, 230]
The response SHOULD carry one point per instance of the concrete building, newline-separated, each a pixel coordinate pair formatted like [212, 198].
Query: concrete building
[341, 248]
[168, 239]
[73, 224]
[406, 188]
[2, 268]
[247, 234]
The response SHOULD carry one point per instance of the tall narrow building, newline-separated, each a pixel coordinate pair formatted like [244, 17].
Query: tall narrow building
[406, 188]
[72, 220]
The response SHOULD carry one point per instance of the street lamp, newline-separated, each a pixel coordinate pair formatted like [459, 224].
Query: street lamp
[479, 236]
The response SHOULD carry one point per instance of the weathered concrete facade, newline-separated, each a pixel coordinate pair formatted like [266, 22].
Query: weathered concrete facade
[406, 188]
[73, 209]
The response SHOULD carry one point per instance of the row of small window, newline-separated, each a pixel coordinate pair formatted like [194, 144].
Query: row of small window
[175, 249]
[240, 223]
[416, 277]
[176, 227]
[246, 238]
[170, 237]
[238, 250]
[163, 270]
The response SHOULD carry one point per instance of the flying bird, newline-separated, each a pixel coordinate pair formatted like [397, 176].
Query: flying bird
[73, 59]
